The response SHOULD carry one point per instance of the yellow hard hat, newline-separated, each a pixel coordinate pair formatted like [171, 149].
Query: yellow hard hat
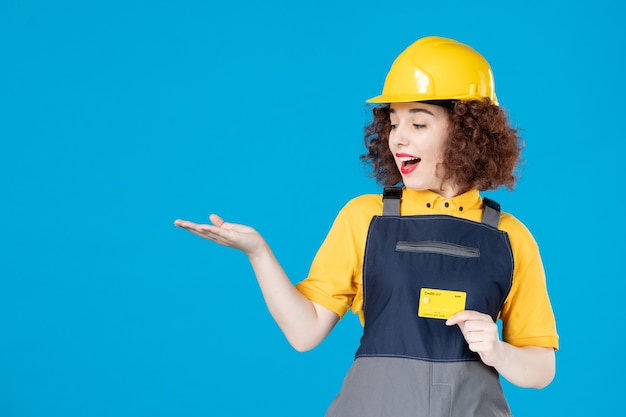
[436, 68]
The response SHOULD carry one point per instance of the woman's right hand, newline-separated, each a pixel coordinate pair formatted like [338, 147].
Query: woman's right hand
[304, 323]
[232, 235]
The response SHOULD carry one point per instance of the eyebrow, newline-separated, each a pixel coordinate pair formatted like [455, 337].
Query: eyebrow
[413, 111]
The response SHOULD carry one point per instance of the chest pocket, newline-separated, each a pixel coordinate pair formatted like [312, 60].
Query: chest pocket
[441, 248]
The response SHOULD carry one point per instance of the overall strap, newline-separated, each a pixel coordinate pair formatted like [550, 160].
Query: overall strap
[393, 195]
[491, 212]
[391, 201]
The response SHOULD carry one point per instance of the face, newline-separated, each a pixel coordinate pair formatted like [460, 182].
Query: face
[418, 134]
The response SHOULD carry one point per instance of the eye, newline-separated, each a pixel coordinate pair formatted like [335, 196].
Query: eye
[392, 126]
[418, 126]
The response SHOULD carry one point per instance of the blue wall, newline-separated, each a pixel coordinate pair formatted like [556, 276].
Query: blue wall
[118, 117]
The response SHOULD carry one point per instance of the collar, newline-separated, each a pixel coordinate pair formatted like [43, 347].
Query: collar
[436, 203]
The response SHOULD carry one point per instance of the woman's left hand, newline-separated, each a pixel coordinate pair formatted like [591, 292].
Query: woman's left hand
[481, 334]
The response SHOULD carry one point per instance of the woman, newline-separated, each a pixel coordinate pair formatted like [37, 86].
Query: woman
[429, 267]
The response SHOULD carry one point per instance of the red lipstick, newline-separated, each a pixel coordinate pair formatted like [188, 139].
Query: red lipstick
[408, 162]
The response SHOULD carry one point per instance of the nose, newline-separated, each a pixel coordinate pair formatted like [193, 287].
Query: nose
[397, 136]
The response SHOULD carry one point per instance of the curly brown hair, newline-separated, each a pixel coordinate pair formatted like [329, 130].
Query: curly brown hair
[483, 150]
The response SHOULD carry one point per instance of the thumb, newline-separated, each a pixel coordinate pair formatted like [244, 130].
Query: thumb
[216, 220]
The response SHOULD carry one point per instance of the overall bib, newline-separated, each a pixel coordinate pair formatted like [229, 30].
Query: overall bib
[415, 366]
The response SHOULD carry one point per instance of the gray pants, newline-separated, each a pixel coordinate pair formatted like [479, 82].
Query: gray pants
[399, 387]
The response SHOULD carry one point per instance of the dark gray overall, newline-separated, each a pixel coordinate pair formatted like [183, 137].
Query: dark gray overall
[412, 366]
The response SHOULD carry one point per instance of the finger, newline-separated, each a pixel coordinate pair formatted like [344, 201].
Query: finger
[215, 238]
[222, 235]
[475, 336]
[483, 340]
[219, 222]
[185, 224]
[458, 318]
[215, 234]
[206, 231]
[483, 345]
[467, 315]
[191, 225]
[216, 220]
[481, 326]
[477, 347]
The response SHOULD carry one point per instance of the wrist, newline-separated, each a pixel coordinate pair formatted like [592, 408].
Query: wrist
[260, 252]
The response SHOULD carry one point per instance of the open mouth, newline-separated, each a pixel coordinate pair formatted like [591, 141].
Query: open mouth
[409, 164]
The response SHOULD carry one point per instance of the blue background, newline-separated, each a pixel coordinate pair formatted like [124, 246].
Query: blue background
[118, 117]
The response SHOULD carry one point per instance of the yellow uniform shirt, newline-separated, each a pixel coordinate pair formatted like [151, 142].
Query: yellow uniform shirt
[335, 277]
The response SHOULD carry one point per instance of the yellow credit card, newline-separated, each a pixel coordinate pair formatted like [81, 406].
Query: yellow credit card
[440, 304]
